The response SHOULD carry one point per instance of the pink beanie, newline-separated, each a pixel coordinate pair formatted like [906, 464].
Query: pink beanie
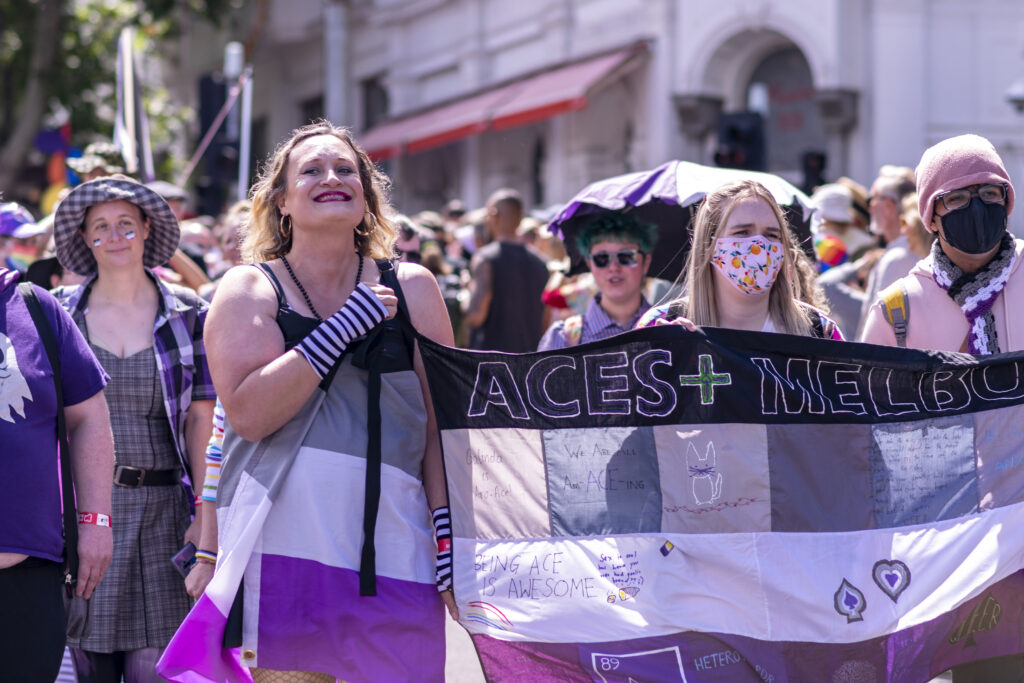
[955, 163]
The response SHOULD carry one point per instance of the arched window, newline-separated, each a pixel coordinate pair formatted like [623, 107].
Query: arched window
[782, 91]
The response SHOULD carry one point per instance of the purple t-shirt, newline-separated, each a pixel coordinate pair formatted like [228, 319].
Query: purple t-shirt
[30, 504]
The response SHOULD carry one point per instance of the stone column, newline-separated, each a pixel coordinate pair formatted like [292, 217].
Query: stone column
[698, 115]
[838, 108]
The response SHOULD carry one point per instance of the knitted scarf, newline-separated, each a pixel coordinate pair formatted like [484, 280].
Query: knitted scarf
[976, 292]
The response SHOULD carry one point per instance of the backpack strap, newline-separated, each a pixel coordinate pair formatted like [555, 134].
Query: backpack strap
[817, 325]
[896, 305]
[49, 340]
[364, 358]
[572, 330]
[821, 326]
[389, 277]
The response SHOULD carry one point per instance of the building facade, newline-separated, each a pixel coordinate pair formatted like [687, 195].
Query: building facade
[457, 98]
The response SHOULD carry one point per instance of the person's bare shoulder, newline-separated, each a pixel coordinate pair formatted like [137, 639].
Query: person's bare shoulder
[245, 284]
[425, 303]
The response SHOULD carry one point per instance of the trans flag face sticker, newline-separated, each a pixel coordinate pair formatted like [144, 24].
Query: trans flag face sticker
[129, 235]
[750, 263]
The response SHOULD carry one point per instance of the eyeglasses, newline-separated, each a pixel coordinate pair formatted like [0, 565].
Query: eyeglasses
[625, 257]
[958, 199]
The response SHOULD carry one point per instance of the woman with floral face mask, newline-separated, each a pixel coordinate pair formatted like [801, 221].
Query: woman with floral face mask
[740, 271]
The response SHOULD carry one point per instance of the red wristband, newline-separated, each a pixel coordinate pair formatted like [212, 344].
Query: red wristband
[97, 518]
[198, 500]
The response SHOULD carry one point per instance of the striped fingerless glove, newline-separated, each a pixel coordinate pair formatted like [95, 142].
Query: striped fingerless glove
[443, 531]
[327, 342]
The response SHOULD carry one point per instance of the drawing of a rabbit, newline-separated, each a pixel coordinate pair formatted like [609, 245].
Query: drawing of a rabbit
[707, 481]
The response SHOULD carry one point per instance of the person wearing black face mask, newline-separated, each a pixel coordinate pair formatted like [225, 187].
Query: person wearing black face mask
[973, 219]
[967, 294]
[964, 295]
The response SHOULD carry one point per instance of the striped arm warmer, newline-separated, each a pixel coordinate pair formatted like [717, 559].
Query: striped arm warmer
[214, 455]
[443, 531]
[324, 345]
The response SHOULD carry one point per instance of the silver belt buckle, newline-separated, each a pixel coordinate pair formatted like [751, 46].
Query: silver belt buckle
[120, 469]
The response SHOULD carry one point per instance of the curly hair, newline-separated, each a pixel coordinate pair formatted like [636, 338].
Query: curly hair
[620, 227]
[263, 241]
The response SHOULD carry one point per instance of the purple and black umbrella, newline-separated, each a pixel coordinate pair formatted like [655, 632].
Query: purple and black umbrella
[668, 197]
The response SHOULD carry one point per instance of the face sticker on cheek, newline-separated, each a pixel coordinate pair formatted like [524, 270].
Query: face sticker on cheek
[129, 235]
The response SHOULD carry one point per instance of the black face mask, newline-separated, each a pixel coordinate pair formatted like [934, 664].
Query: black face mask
[976, 228]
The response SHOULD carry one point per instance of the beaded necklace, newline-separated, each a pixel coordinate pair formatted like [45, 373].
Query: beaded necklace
[302, 290]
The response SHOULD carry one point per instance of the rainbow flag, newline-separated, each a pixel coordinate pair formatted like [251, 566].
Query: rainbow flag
[730, 506]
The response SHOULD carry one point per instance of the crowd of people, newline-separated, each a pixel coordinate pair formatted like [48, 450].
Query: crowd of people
[194, 351]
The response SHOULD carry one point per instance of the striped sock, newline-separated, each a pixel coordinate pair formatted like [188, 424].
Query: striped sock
[324, 345]
[443, 531]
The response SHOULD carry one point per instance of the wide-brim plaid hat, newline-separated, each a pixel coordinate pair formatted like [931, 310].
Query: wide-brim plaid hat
[72, 251]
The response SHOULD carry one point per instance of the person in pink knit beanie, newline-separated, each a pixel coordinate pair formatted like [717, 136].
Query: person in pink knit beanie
[960, 163]
[964, 295]
[968, 293]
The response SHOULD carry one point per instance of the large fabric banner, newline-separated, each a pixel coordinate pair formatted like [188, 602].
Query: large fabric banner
[730, 506]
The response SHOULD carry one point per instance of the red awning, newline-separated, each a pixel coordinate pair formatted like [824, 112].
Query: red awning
[530, 99]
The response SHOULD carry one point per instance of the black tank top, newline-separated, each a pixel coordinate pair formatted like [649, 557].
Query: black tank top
[397, 340]
[294, 326]
[515, 318]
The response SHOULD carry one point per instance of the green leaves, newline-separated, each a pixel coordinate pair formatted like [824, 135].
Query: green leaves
[81, 76]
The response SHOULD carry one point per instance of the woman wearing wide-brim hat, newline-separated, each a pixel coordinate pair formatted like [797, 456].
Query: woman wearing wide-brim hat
[148, 335]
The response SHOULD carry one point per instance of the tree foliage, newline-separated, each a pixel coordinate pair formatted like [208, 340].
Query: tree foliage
[78, 73]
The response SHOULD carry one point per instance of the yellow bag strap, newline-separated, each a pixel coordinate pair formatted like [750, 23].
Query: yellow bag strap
[897, 310]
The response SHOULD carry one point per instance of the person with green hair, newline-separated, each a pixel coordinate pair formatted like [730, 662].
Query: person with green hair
[618, 251]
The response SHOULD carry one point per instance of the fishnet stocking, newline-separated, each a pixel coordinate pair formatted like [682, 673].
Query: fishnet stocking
[270, 676]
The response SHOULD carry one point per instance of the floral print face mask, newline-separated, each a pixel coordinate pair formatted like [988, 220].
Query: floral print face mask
[750, 263]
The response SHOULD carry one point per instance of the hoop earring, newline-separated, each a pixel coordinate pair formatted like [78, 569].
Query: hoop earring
[286, 232]
[365, 232]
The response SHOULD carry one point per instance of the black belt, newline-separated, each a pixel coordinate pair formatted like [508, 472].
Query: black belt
[134, 477]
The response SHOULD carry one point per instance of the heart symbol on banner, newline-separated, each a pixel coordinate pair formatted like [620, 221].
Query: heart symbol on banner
[892, 576]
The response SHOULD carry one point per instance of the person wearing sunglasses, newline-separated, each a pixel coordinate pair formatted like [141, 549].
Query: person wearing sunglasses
[742, 272]
[618, 249]
[964, 295]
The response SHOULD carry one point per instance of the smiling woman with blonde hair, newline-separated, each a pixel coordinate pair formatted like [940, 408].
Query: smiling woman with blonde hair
[269, 232]
[741, 270]
[313, 352]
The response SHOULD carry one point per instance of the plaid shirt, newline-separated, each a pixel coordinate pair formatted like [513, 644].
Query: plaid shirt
[596, 325]
[179, 350]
